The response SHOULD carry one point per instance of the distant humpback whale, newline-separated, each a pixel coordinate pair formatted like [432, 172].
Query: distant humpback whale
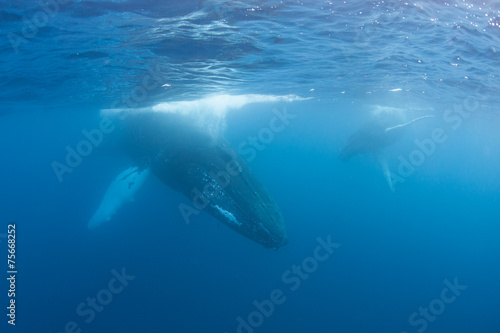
[373, 137]
[202, 166]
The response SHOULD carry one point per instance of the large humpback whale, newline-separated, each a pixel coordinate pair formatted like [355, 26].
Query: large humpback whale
[193, 161]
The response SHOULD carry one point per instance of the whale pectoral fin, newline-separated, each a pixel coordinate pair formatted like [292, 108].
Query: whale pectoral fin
[388, 178]
[388, 129]
[119, 192]
[385, 169]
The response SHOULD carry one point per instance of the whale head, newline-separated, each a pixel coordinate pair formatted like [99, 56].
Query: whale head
[222, 184]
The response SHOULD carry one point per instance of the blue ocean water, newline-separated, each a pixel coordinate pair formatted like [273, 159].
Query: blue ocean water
[421, 258]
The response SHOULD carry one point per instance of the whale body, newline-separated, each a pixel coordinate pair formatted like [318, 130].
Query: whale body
[374, 136]
[207, 170]
[202, 166]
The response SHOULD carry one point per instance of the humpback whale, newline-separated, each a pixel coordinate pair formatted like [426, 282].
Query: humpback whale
[373, 137]
[202, 166]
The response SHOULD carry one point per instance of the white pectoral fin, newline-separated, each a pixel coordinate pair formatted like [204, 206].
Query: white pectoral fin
[385, 169]
[408, 122]
[121, 190]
